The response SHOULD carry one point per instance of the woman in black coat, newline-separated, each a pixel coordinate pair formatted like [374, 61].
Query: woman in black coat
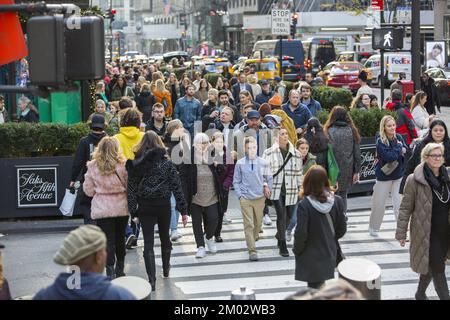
[320, 223]
[205, 193]
[145, 101]
[438, 133]
[152, 179]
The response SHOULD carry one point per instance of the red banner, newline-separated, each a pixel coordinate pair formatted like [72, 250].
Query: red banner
[377, 5]
[12, 40]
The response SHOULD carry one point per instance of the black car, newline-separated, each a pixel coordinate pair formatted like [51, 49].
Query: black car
[291, 70]
[441, 77]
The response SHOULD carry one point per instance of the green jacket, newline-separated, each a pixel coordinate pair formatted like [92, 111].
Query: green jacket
[311, 160]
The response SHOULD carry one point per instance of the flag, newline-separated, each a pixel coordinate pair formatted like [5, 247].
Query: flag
[167, 7]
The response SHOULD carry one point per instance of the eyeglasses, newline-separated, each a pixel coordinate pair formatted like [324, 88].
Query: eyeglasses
[436, 156]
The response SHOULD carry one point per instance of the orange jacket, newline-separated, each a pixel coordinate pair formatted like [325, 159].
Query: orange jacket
[159, 96]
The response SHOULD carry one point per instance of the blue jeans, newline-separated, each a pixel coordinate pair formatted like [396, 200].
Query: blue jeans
[293, 222]
[132, 228]
[175, 215]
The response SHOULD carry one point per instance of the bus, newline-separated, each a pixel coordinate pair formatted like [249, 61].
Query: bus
[318, 53]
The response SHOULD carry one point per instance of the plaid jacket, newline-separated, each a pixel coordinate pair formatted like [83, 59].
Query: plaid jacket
[292, 173]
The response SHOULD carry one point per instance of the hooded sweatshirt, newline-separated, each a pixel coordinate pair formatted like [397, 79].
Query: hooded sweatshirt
[324, 207]
[128, 138]
[93, 286]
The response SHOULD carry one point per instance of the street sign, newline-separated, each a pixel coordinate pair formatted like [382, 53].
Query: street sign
[377, 5]
[404, 15]
[387, 38]
[281, 22]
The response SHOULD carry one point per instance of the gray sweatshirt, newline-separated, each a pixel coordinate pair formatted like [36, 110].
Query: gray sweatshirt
[250, 176]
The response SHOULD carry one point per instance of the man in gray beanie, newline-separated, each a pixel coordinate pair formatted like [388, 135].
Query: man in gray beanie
[84, 252]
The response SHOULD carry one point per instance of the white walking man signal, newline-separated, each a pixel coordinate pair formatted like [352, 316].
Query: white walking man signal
[387, 39]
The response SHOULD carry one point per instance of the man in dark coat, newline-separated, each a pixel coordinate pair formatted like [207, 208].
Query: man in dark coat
[429, 87]
[241, 86]
[82, 156]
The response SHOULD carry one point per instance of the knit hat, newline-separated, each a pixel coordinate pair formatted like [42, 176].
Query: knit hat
[275, 100]
[79, 244]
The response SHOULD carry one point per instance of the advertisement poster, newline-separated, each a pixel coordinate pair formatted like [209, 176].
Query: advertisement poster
[435, 54]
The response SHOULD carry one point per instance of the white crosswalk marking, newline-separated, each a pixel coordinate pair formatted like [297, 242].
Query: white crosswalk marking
[272, 277]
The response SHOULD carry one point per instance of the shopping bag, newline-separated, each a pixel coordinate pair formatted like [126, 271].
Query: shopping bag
[333, 167]
[68, 203]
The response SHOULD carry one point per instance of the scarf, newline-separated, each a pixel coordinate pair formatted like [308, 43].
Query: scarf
[433, 181]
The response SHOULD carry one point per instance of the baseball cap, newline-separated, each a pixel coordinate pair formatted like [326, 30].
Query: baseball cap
[264, 83]
[253, 114]
[98, 121]
[277, 79]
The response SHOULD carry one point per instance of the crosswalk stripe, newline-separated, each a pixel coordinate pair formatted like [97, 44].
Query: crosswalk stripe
[272, 278]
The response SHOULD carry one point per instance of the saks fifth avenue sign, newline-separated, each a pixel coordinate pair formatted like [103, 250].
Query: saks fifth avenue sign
[37, 187]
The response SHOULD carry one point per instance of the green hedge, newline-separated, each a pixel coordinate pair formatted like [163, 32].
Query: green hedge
[42, 139]
[367, 122]
[330, 97]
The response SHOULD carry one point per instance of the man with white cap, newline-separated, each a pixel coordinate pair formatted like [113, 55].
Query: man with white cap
[84, 251]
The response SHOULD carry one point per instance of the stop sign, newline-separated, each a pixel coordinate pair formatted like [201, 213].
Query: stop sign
[377, 5]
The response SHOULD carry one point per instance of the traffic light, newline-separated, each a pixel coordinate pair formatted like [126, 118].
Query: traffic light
[111, 14]
[294, 25]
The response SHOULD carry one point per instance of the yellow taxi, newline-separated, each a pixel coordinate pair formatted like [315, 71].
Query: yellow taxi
[265, 68]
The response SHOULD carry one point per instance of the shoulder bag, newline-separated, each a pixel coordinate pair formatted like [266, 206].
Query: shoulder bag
[339, 254]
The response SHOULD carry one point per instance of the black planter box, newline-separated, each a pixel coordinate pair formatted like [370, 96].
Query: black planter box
[33, 187]
[367, 172]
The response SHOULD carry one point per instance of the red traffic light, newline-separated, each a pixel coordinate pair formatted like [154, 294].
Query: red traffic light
[113, 11]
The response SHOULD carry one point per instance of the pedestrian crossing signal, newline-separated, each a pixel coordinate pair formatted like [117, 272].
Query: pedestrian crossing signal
[387, 38]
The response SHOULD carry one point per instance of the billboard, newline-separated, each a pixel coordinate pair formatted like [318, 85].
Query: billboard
[435, 54]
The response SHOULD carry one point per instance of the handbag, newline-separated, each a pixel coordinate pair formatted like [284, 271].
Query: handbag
[123, 184]
[289, 156]
[339, 254]
[333, 167]
[389, 167]
[68, 203]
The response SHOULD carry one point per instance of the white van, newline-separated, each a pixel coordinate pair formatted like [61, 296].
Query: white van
[395, 63]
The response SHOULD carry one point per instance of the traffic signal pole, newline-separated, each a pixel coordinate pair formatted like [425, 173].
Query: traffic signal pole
[415, 44]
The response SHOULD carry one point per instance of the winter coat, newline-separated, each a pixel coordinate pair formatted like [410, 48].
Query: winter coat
[310, 161]
[291, 174]
[108, 192]
[416, 207]
[202, 96]
[263, 97]
[150, 125]
[432, 96]
[264, 138]
[83, 154]
[128, 138]
[405, 123]
[415, 159]
[313, 106]
[117, 93]
[288, 124]
[31, 116]
[145, 102]
[153, 177]
[160, 96]
[421, 120]
[237, 90]
[188, 175]
[301, 115]
[346, 151]
[315, 247]
[207, 109]
[390, 153]
[93, 286]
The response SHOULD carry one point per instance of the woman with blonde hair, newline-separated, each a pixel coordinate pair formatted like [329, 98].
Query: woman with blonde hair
[425, 209]
[162, 95]
[106, 182]
[389, 170]
[155, 77]
[420, 114]
[253, 82]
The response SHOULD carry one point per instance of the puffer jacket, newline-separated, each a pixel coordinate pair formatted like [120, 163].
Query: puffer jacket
[108, 191]
[416, 208]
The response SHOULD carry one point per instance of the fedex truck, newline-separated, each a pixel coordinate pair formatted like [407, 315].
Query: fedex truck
[395, 63]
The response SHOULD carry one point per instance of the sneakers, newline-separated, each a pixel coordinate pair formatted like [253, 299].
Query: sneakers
[226, 220]
[211, 244]
[253, 256]
[201, 252]
[131, 240]
[288, 236]
[266, 220]
[373, 232]
[218, 239]
[175, 235]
